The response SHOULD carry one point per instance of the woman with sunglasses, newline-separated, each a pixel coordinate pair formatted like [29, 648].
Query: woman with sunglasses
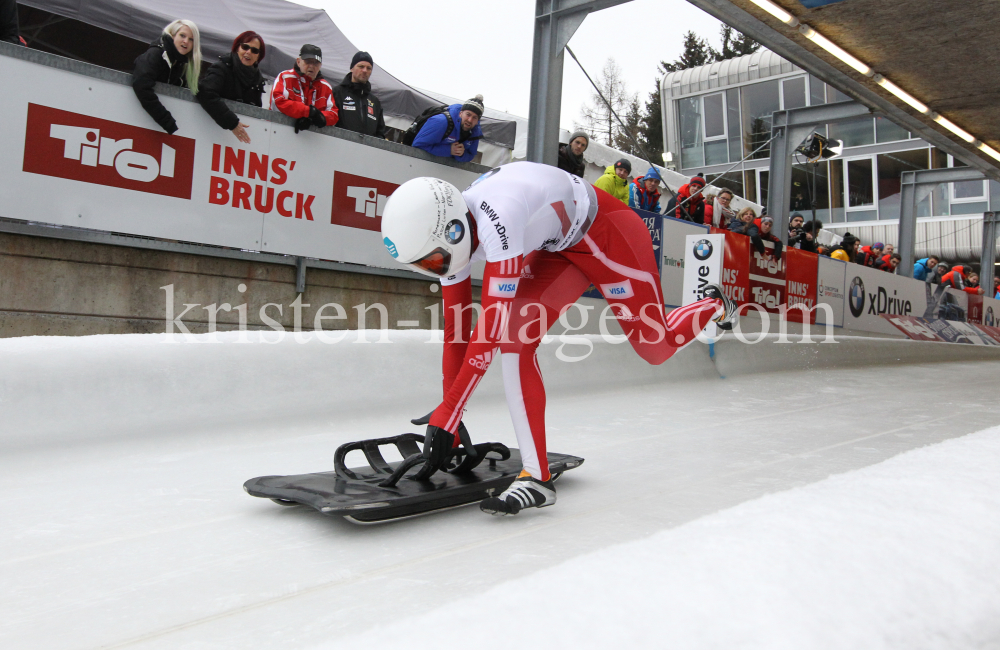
[234, 76]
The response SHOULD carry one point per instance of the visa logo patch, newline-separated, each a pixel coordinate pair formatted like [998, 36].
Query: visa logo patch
[617, 290]
[503, 287]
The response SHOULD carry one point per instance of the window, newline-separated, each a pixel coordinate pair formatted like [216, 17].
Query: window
[793, 92]
[733, 120]
[802, 190]
[692, 154]
[817, 91]
[759, 101]
[886, 131]
[716, 144]
[890, 172]
[750, 185]
[855, 133]
[967, 197]
[860, 189]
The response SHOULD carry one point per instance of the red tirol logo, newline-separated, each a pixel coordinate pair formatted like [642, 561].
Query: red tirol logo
[358, 201]
[88, 149]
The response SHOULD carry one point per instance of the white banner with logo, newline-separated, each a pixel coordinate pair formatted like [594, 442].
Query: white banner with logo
[871, 293]
[674, 250]
[702, 265]
[991, 311]
[831, 290]
[82, 152]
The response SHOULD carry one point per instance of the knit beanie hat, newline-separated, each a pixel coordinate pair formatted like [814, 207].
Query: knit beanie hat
[361, 56]
[475, 105]
[848, 240]
[766, 219]
[698, 180]
[652, 174]
[878, 245]
[624, 164]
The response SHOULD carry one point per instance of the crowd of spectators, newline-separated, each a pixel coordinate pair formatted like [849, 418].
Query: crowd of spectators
[302, 93]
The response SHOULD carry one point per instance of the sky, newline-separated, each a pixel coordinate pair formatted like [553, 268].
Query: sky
[488, 50]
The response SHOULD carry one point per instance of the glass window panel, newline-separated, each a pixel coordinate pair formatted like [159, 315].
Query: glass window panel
[890, 173]
[715, 116]
[854, 133]
[969, 190]
[733, 181]
[802, 190]
[860, 189]
[833, 95]
[969, 208]
[750, 185]
[689, 110]
[763, 173]
[939, 195]
[886, 131]
[794, 91]
[837, 190]
[817, 91]
[733, 113]
[862, 215]
[759, 101]
[716, 152]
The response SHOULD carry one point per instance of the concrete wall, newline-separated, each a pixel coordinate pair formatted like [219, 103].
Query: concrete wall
[70, 288]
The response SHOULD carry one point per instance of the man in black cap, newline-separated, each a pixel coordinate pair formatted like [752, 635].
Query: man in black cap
[303, 94]
[453, 133]
[359, 110]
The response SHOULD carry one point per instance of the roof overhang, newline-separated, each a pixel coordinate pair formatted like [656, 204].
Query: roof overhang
[932, 49]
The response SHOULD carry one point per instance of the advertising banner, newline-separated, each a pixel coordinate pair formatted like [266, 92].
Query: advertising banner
[674, 251]
[702, 266]
[801, 271]
[767, 279]
[872, 293]
[991, 312]
[975, 311]
[736, 267]
[82, 152]
[938, 330]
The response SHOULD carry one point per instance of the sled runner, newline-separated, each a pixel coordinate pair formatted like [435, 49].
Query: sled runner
[386, 491]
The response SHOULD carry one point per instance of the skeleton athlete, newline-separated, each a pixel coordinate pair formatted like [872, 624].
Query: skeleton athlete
[545, 236]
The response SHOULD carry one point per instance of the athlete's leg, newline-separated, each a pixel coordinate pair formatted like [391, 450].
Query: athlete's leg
[549, 285]
[617, 255]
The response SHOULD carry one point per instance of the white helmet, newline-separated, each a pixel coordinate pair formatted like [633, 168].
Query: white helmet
[426, 225]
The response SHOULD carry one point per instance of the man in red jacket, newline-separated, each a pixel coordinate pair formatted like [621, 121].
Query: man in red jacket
[956, 279]
[869, 255]
[303, 94]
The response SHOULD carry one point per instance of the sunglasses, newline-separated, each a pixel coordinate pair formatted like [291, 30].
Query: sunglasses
[246, 46]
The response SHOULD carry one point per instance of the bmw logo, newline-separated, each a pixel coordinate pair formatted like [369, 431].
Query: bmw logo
[856, 297]
[389, 246]
[454, 232]
[703, 249]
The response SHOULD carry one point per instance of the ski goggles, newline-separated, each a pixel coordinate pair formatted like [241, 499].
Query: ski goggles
[438, 261]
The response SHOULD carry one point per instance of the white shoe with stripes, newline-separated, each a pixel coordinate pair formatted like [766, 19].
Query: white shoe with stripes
[730, 308]
[524, 492]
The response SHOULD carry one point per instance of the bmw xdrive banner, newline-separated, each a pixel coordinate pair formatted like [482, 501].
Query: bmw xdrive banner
[702, 265]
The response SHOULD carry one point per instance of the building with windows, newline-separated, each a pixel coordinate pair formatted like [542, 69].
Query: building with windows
[717, 115]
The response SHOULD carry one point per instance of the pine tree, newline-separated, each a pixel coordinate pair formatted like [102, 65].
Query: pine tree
[734, 43]
[651, 127]
[633, 126]
[696, 52]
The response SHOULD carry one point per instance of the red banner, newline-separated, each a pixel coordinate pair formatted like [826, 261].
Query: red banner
[767, 279]
[358, 201]
[91, 150]
[975, 313]
[736, 266]
[801, 271]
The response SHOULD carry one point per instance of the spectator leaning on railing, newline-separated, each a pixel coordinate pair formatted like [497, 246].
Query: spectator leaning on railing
[761, 233]
[744, 219]
[847, 251]
[303, 94]
[688, 204]
[454, 133]
[571, 154]
[956, 279]
[939, 272]
[614, 181]
[644, 192]
[358, 109]
[889, 263]
[175, 59]
[235, 77]
[923, 268]
[722, 199]
[869, 255]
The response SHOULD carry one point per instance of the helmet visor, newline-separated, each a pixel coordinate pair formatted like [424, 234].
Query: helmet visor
[438, 261]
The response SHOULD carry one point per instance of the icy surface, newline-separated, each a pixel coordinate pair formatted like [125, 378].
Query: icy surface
[122, 460]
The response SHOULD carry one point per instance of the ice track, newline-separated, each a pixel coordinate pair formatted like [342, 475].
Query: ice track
[122, 460]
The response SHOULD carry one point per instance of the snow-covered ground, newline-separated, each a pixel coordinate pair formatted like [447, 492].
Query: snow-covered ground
[705, 515]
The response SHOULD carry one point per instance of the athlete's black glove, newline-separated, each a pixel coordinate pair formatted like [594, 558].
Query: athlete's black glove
[438, 444]
[302, 124]
[317, 117]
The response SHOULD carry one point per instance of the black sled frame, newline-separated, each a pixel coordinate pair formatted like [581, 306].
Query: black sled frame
[380, 493]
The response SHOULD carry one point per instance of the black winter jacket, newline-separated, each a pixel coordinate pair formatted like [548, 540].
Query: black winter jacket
[225, 81]
[360, 111]
[568, 162]
[757, 238]
[161, 62]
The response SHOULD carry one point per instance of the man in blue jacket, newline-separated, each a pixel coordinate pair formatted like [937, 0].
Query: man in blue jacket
[644, 192]
[455, 134]
[922, 267]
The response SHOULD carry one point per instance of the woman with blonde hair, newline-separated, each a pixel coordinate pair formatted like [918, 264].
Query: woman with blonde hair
[742, 222]
[175, 59]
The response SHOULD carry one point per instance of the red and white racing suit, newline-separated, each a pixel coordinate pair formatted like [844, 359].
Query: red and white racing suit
[546, 235]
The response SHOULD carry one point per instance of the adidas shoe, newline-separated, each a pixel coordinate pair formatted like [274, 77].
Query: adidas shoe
[730, 308]
[524, 492]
